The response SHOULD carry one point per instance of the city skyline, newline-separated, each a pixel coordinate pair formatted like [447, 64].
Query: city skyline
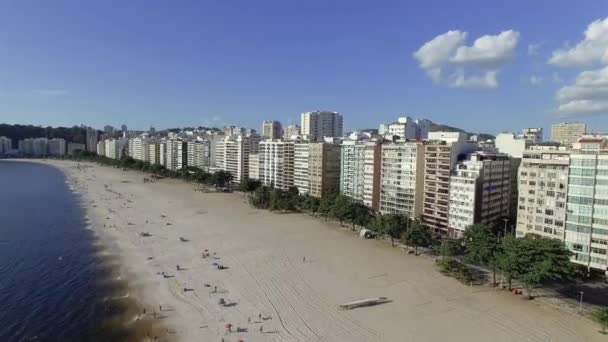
[220, 64]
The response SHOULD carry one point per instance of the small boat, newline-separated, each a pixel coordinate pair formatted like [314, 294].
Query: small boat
[365, 302]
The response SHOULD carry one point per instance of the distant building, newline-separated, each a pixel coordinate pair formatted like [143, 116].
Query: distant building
[567, 133]
[108, 130]
[442, 152]
[6, 145]
[316, 125]
[292, 132]
[406, 128]
[154, 152]
[34, 147]
[276, 163]
[479, 191]
[57, 147]
[91, 139]
[511, 144]
[74, 147]
[232, 155]
[176, 152]
[272, 130]
[198, 154]
[533, 135]
[139, 148]
[590, 143]
[233, 130]
[402, 178]
[301, 165]
[116, 148]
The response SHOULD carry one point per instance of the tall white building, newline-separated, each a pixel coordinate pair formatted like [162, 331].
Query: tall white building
[479, 191]
[511, 144]
[442, 152]
[301, 165]
[360, 171]
[6, 145]
[402, 178]
[317, 168]
[115, 148]
[232, 155]
[272, 129]
[276, 163]
[154, 152]
[176, 154]
[406, 128]
[254, 166]
[57, 147]
[35, 147]
[139, 148]
[92, 137]
[198, 154]
[292, 132]
[101, 148]
[316, 125]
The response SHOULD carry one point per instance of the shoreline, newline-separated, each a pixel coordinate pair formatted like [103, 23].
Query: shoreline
[263, 252]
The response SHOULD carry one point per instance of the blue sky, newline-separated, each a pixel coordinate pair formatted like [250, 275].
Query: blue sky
[178, 63]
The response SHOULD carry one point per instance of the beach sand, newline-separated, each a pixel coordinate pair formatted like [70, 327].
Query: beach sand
[266, 275]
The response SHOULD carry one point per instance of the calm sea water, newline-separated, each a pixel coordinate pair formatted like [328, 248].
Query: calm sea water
[54, 285]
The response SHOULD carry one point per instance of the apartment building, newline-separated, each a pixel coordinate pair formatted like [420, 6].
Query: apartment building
[480, 191]
[254, 166]
[442, 152]
[232, 155]
[101, 148]
[277, 163]
[587, 210]
[91, 139]
[292, 132]
[57, 147]
[567, 133]
[402, 178]
[316, 125]
[176, 154]
[543, 189]
[323, 169]
[199, 154]
[6, 145]
[35, 147]
[406, 128]
[301, 167]
[360, 171]
[272, 129]
[533, 134]
[139, 148]
[154, 152]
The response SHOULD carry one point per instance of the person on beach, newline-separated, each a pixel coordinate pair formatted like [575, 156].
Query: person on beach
[304, 259]
[249, 320]
[160, 307]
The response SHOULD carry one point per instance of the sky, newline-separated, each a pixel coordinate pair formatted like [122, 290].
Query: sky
[484, 66]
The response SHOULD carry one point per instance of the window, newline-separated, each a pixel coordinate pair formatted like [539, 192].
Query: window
[549, 212]
[550, 193]
[577, 247]
[548, 221]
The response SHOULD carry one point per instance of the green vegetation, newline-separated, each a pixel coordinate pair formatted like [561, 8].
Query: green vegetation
[483, 247]
[417, 235]
[456, 269]
[601, 316]
[74, 134]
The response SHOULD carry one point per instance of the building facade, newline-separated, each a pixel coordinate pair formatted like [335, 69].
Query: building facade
[314, 126]
[6, 145]
[360, 171]
[92, 137]
[323, 169]
[57, 147]
[567, 133]
[480, 191]
[74, 147]
[402, 178]
[254, 166]
[139, 148]
[532, 135]
[272, 129]
[301, 167]
[442, 152]
[292, 132]
[276, 163]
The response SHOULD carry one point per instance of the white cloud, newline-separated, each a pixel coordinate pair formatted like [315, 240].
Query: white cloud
[536, 80]
[487, 81]
[587, 95]
[437, 51]
[592, 49]
[49, 92]
[489, 51]
[533, 49]
[449, 50]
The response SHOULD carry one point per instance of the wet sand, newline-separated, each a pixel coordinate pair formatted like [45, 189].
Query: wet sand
[266, 275]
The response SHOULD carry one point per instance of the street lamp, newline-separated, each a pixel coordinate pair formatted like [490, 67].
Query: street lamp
[580, 303]
[505, 220]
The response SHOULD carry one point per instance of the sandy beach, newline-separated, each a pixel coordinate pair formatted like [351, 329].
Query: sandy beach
[273, 288]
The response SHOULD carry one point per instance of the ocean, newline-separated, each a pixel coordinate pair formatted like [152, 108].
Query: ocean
[55, 282]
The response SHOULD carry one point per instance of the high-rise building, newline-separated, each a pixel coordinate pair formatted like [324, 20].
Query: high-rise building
[406, 128]
[567, 133]
[57, 147]
[360, 171]
[317, 168]
[442, 152]
[402, 178]
[154, 152]
[533, 135]
[198, 154]
[34, 147]
[92, 137]
[586, 232]
[272, 130]
[233, 130]
[176, 154]
[292, 132]
[101, 148]
[115, 148]
[479, 191]
[254, 166]
[139, 148]
[316, 125]
[232, 155]
[276, 163]
[6, 145]
[108, 130]
[543, 190]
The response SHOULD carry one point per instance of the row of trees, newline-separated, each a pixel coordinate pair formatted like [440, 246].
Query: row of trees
[531, 259]
[218, 179]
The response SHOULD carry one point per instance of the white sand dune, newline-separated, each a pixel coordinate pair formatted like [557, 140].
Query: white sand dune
[266, 274]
